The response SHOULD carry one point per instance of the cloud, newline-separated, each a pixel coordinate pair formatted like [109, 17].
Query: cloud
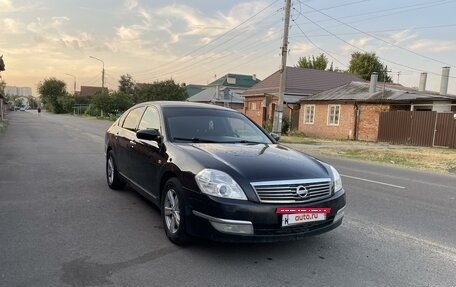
[428, 45]
[302, 49]
[402, 36]
[175, 22]
[128, 33]
[12, 26]
[360, 43]
[58, 21]
[130, 4]
[6, 6]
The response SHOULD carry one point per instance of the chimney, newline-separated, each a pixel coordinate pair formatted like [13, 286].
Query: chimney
[422, 85]
[254, 77]
[444, 82]
[373, 83]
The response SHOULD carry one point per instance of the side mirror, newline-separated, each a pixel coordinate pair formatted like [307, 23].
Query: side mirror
[275, 136]
[149, 135]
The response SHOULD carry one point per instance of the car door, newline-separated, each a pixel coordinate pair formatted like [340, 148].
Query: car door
[148, 155]
[126, 141]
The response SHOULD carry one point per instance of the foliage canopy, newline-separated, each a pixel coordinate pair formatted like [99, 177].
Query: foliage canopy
[364, 64]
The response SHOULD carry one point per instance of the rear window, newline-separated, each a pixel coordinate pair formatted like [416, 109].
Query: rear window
[132, 120]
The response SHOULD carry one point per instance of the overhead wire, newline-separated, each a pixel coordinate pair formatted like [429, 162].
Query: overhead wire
[206, 59]
[361, 49]
[402, 9]
[220, 36]
[384, 31]
[378, 38]
[195, 61]
[316, 46]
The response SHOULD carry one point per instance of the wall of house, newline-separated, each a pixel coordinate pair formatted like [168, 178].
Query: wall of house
[320, 127]
[369, 116]
[261, 114]
[256, 114]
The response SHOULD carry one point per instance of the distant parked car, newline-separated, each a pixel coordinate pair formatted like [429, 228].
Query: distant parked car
[22, 109]
[215, 174]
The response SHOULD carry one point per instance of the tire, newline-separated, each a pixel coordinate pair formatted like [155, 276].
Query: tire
[173, 212]
[112, 174]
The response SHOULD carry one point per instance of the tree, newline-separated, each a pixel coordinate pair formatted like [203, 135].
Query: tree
[32, 102]
[126, 84]
[318, 63]
[161, 91]
[114, 103]
[364, 64]
[52, 91]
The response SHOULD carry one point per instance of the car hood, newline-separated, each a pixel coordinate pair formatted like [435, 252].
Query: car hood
[258, 162]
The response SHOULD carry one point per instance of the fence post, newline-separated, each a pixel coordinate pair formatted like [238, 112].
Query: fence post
[435, 129]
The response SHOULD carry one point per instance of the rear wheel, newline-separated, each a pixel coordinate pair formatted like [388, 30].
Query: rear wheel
[112, 174]
[173, 212]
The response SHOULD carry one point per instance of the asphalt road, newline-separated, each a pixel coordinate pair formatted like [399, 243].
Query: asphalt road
[60, 225]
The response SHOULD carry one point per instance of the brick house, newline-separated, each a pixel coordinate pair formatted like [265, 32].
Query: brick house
[261, 99]
[352, 111]
[91, 90]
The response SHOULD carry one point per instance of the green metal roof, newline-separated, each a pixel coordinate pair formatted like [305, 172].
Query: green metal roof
[194, 89]
[242, 81]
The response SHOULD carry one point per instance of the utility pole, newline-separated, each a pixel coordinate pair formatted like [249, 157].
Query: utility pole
[278, 113]
[102, 72]
[74, 82]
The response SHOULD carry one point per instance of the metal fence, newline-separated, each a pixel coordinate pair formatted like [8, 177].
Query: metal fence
[419, 128]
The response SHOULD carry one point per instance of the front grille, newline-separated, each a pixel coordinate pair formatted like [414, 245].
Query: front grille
[296, 191]
[300, 228]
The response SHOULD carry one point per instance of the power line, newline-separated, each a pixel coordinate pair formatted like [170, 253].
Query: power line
[378, 38]
[358, 48]
[402, 8]
[388, 30]
[316, 46]
[198, 61]
[224, 34]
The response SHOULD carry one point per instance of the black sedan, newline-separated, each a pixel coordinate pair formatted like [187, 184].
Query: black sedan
[215, 174]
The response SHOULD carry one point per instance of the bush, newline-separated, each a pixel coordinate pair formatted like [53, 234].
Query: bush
[93, 111]
[285, 125]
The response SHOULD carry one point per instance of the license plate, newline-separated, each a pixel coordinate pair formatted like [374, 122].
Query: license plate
[298, 218]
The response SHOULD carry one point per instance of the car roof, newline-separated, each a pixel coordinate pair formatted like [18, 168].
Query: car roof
[176, 104]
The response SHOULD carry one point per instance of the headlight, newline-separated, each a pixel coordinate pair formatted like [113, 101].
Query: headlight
[217, 183]
[337, 179]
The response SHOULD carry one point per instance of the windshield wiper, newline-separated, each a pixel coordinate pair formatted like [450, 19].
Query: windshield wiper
[195, 140]
[247, 142]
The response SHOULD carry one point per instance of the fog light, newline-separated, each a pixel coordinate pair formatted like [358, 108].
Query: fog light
[340, 214]
[233, 228]
[227, 225]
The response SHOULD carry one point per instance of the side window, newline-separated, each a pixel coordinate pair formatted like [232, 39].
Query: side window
[150, 120]
[309, 114]
[132, 119]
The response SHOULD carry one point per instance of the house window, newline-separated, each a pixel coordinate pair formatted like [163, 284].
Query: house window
[253, 106]
[333, 115]
[309, 114]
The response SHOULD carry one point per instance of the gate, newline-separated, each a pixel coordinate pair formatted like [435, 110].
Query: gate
[420, 128]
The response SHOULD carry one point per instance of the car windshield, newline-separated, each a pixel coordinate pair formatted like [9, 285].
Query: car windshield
[203, 125]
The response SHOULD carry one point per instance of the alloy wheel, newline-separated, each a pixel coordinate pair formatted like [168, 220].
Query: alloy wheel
[172, 211]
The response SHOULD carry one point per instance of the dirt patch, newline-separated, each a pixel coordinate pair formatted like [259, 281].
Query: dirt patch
[435, 159]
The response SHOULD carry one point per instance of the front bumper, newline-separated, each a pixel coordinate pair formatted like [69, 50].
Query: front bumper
[245, 221]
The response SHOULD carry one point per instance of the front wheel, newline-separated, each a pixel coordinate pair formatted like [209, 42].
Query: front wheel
[173, 212]
[112, 174]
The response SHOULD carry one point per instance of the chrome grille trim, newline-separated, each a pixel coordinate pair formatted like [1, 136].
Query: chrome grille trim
[285, 191]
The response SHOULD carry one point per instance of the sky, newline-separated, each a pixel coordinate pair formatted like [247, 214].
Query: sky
[195, 42]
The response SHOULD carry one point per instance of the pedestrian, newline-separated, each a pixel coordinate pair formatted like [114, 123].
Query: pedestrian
[39, 110]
